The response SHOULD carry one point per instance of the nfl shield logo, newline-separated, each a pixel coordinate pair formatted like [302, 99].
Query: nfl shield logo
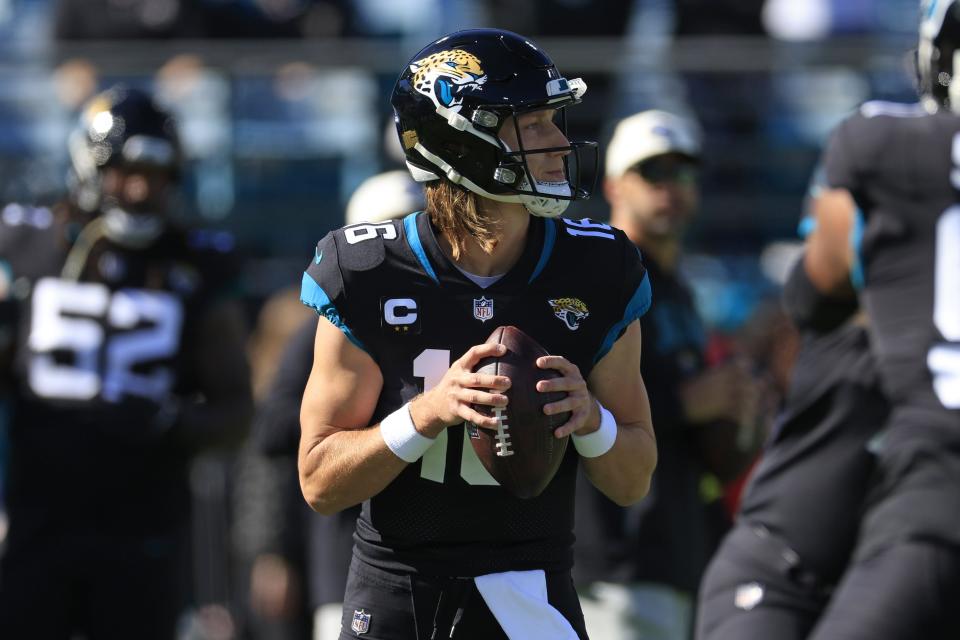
[482, 309]
[361, 621]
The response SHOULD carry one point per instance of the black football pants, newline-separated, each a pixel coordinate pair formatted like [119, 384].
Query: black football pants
[756, 588]
[906, 592]
[390, 606]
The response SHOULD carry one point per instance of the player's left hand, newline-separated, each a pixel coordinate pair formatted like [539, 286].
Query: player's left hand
[584, 412]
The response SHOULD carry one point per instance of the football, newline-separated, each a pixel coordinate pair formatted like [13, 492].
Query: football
[522, 454]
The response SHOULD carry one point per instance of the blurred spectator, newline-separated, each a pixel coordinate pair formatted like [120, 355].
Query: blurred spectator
[75, 81]
[124, 361]
[279, 318]
[580, 17]
[720, 17]
[299, 558]
[388, 195]
[126, 19]
[647, 79]
[638, 568]
[276, 18]
[797, 21]
[270, 521]
[199, 97]
[417, 19]
[149, 19]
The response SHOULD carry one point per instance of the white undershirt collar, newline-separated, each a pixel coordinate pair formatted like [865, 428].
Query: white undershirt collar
[481, 281]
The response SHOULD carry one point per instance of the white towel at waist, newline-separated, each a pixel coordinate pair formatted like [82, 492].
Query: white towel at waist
[518, 600]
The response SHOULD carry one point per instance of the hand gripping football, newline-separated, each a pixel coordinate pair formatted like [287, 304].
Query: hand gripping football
[522, 454]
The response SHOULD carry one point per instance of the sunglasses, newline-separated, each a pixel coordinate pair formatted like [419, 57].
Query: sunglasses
[668, 169]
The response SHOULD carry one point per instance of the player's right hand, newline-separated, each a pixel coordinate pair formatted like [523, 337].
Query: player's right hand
[450, 401]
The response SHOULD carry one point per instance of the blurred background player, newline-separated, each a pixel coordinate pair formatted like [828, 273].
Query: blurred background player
[773, 574]
[898, 165]
[299, 570]
[127, 361]
[639, 568]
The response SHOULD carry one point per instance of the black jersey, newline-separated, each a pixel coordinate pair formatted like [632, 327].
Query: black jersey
[816, 465]
[393, 292]
[97, 353]
[902, 167]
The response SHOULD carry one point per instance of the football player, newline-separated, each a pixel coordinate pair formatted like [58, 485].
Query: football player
[441, 549]
[774, 572]
[900, 166]
[128, 359]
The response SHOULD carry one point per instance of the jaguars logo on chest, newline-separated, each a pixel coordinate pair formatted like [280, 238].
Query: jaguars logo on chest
[570, 311]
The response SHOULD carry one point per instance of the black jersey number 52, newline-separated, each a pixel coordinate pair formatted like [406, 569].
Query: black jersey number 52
[86, 341]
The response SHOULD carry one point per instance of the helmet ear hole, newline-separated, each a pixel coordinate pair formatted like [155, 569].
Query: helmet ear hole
[455, 150]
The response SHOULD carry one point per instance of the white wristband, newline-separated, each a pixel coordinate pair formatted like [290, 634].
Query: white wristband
[402, 437]
[600, 441]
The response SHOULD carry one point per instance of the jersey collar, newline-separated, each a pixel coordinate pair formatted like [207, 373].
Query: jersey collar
[422, 238]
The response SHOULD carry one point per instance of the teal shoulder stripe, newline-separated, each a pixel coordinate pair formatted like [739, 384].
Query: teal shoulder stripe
[637, 306]
[549, 240]
[313, 295]
[413, 239]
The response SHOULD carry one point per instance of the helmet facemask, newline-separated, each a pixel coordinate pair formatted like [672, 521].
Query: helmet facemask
[547, 199]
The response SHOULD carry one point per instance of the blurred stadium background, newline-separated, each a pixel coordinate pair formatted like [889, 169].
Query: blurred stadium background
[284, 109]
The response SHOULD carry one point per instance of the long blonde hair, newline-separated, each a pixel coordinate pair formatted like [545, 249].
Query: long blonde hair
[458, 212]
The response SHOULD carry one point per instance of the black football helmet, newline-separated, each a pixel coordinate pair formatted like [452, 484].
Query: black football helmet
[121, 127]
[455, 94]
[936, 53]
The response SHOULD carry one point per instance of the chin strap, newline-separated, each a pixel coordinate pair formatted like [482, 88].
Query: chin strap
[115, 227]
[543, 205]
[76, 260]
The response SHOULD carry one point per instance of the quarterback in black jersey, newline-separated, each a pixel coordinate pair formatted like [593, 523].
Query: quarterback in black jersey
[127, 359]
[900, 166]
[442, 550]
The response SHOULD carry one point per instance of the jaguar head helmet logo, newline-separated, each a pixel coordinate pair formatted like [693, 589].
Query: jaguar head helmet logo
[445, 75]
[571, 311]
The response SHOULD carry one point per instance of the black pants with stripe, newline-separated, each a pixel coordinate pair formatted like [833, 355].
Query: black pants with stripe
[382, 605]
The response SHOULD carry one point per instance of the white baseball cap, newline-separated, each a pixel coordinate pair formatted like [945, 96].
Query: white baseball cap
[388, 195]
[648, 134]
